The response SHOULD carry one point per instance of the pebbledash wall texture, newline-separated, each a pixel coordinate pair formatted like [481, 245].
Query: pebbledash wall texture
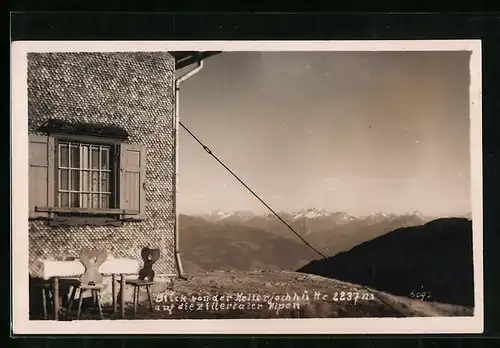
[130, 90]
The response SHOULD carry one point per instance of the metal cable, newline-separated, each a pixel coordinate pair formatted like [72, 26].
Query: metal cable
[271, 210]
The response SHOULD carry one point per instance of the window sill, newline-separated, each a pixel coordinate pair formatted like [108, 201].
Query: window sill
[85, 211]
[86, 216]
[84, 221]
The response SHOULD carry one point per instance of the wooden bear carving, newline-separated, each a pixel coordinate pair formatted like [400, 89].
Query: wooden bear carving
[150, 256]
[92, 260]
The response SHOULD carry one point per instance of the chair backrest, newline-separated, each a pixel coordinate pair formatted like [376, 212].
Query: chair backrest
[92, 260]
[149, 256]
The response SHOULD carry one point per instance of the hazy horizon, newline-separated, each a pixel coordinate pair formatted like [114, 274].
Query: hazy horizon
[357, 132]
[207, 213]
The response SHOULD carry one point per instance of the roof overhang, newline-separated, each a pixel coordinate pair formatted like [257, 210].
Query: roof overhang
[185, 58]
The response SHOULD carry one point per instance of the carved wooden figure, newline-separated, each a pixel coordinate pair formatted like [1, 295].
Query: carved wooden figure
[146, 275]
[150, 256]
[92, 260]
[91, 279]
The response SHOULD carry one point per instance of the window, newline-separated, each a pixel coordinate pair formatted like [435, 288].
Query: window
[81, 180]
[85, 175]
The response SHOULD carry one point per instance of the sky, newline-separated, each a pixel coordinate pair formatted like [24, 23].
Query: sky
[358, 132]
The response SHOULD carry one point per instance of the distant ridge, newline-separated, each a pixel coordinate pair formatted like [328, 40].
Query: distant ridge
[247, 241]
[435, 258]
[308, 213]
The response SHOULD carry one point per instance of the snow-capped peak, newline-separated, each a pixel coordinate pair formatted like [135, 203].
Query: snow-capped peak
[389, 216]
[245, 215]
[415, 213]
[380, 216]
[311, 213]
[218, 215]
[345, 217]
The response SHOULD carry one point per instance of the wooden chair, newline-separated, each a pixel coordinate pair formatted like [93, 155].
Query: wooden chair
[47, 290]
[146, 276]
[91, 279]
[47, 293]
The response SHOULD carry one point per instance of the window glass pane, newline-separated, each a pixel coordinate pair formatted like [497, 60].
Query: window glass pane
[85, 200]
[64, 200]
[95, 157]
[95, 201]
[74, 156]
[105, 182]
[105, 201]
[105, 158]
[64, 179]
[85, 151]
[85, 181]
[95, 181]
[74, 200]
[75, 180]
[63, 155]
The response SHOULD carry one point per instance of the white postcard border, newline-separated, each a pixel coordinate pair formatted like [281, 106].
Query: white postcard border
[19, 190]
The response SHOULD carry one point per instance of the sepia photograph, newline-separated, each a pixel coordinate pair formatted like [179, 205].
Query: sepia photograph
[229, 187]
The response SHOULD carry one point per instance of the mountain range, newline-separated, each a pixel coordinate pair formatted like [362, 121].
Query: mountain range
[311, 213]
[400, 254]
[247, 241]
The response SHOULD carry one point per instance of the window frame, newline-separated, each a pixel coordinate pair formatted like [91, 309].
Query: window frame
[72, 216]
[114, 165]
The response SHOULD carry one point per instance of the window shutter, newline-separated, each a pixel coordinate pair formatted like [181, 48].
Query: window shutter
[41, 174]
[132, 180]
